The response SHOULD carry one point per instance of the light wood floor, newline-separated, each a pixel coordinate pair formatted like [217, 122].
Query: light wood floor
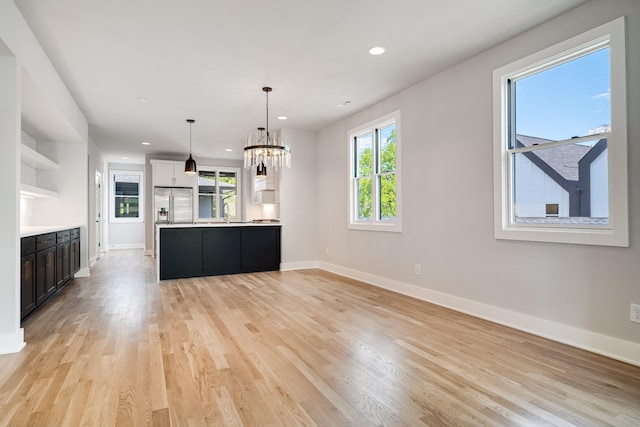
[293, 348]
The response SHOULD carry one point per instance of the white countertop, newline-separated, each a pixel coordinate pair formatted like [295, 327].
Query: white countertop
[220, 224]
[33, 230]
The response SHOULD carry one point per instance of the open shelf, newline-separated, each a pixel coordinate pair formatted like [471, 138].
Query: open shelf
[36, 192]
[36, 160]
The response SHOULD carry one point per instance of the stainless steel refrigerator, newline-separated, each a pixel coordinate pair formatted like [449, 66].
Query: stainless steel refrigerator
[173, 205]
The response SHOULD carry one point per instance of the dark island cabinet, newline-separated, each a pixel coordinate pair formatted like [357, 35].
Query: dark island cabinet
[182, 248]
[260, 249]
[210, 251]
[222, 251]
[48, 262]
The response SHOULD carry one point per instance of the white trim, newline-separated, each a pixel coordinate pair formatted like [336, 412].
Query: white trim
[12, 343]
[112, 217]
[148, 252]
[127, 246]
[616, 233]
[298, 265]
[605, 345]
[239, 193]
[83, 272]
[376, 225]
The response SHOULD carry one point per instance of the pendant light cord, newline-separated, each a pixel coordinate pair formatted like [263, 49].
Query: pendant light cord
[267, 92]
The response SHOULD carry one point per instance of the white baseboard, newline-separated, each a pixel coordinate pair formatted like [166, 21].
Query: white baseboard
[148, 252]
[127, 246]
[83, 272]
[298, 265]
[605, 345]
[12, 343]
[93, 260]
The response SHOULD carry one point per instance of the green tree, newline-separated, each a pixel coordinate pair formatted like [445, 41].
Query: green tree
[387, 181]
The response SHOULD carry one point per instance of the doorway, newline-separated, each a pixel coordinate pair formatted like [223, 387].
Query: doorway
[99, 251]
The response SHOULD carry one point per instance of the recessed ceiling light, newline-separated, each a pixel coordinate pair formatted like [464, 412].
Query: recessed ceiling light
[143, 99]
[228, 149]
[125, 158]
[146, 143]
[282, 117]
[377, 50]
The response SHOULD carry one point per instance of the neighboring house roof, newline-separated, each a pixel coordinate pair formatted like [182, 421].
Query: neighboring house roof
[569, 166]
[563, 159]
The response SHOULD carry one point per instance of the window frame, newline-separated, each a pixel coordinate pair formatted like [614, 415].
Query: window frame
[217, 170]
[616, 232]
[375, 224]
[112, 197]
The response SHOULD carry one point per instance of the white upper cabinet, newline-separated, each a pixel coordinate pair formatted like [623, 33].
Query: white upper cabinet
[171, 174]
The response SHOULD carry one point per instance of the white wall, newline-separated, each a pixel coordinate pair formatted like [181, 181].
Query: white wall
[96, 164]
[298, 209]
[70, 208]
[11, 335]
[448, 205]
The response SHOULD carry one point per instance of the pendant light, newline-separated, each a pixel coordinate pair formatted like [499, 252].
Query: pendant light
[262, 150]
[190, 164]
[261, 169]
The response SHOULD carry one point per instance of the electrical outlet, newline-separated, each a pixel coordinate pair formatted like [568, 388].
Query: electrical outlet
[417, 269]
[635, 313]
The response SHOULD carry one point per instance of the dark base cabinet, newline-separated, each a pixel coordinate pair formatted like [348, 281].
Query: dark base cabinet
[209, 251]
[45, 274]
[49, 262]
[27, 276]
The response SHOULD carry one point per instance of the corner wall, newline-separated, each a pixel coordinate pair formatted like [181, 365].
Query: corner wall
[579, 293]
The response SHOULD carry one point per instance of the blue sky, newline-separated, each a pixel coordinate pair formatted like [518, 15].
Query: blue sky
[567, 100]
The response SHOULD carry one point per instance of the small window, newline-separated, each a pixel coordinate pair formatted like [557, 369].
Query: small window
[127, 199]
[560, 138]
[218, 194]
[374, 175]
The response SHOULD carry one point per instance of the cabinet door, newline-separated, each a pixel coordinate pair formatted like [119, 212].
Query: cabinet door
[180, 253]
[28, 285]
[45, 274]
[222, 251]
[63, 264]
[163, 175]
[181, 179]
[75, 256]
[260, 249]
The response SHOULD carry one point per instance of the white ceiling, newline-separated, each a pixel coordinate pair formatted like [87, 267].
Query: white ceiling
[209, 59]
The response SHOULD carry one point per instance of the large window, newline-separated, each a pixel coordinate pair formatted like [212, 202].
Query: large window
[218, 194]
[374, 175]
[560, 135]
[126, 196]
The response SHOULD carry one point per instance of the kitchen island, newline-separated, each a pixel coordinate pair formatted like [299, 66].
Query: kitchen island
[210, 249]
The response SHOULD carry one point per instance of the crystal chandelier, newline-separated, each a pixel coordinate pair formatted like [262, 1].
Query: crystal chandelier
[265, 149]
